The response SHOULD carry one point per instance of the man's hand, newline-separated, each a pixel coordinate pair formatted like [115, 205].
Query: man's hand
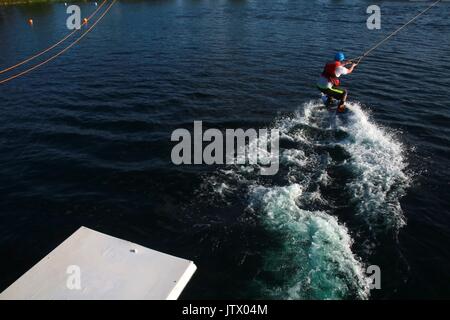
[352, 67]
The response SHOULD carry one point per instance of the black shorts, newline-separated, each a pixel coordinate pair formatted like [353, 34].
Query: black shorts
[334, 92]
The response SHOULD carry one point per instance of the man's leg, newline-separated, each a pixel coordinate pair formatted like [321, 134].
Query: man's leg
[328, 94]
[340, 94]
[341, 107]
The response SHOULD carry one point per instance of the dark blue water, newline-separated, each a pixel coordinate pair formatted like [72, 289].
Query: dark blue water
[85, 140]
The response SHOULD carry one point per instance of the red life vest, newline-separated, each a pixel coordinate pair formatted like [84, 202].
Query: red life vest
[329, 72]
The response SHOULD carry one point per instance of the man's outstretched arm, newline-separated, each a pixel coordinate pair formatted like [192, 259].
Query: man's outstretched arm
[352, 67]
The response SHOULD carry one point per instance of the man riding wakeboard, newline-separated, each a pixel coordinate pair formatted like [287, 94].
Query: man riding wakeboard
[329, 83]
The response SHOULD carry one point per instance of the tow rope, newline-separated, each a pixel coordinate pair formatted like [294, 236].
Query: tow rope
[359, 59]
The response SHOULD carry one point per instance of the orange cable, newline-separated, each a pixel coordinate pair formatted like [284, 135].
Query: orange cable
[62, 51]
[53, 46]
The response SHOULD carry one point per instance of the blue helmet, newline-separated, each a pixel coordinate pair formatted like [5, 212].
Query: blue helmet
[339, 56]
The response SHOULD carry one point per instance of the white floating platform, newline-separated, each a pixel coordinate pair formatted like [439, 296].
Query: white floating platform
[93, 265]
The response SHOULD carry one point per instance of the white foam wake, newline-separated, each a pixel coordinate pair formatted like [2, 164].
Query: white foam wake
[312, 255]
[379, 165]
[315, 260]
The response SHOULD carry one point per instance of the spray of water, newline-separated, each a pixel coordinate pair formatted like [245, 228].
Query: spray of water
[312, 256]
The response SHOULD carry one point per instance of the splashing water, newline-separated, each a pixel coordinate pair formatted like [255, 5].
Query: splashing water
[315, 260]
[323, 154]
[378, 162]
